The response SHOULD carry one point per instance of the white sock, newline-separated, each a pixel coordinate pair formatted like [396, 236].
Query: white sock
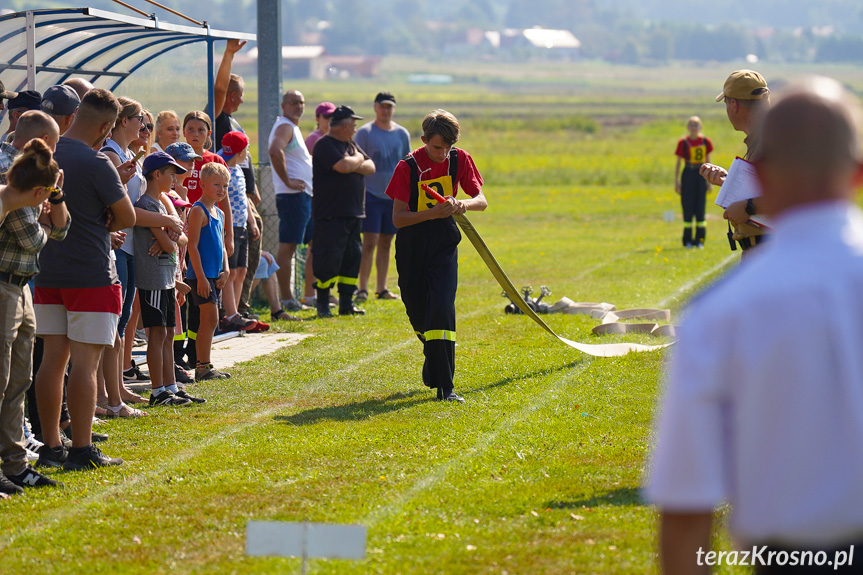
[158, 390]
[173, 388]
[230, 317]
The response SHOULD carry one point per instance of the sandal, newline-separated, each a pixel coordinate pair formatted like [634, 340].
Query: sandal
[101, 411]
[283, 315]
[124, 410]
[132, 397]
[386, 294]
[361, 296]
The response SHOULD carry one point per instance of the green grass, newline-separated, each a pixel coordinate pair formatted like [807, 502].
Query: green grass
[539, 472]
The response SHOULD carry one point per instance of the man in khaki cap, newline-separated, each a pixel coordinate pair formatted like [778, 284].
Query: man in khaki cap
[6, 95]
[747, 98]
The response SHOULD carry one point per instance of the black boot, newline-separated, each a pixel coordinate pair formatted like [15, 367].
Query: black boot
[700, 234]
[346, 304]
[687, 236]
[322, 303]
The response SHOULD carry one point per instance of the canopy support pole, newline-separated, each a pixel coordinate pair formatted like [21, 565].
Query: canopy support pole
[31, 49]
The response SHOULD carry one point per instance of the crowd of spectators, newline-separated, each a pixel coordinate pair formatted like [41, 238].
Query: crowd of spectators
[115, 219]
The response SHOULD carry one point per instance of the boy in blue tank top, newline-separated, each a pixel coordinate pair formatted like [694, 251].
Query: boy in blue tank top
[209, 262]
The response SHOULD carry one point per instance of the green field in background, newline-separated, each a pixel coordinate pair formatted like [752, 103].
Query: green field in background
[540, 471]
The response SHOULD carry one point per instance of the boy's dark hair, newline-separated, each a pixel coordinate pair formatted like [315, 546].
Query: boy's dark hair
[149, 175]
[442, 123]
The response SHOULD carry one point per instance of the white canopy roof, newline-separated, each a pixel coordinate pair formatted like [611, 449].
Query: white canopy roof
[42, 48]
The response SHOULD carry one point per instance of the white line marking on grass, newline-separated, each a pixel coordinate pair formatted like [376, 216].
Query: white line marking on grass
[687, 287]
[487, 439]
[599, 266]
[83, 504]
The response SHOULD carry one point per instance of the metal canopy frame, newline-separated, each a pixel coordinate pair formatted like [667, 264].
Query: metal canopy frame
[42, 48]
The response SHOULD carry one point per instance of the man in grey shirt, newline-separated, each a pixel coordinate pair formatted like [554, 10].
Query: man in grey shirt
[386, 143]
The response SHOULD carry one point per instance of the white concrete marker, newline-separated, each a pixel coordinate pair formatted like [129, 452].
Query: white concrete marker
[306, 540]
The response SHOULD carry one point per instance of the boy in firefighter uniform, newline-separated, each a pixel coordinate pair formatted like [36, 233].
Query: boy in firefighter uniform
[427, 241]
[693, 151]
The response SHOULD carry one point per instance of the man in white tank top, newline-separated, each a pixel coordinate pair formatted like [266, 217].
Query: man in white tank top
[291, 166]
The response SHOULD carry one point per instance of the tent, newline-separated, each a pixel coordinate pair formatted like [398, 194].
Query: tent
[41, 48]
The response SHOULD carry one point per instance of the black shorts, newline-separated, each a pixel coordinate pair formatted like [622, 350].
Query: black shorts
[215, 294]
[157, 307]
[240, 257]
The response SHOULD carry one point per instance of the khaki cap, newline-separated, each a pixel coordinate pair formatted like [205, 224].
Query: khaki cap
[744, 85]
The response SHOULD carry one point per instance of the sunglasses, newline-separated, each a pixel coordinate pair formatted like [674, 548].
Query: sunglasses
[148, 127]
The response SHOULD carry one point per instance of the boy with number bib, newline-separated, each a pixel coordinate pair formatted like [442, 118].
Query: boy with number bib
[693, 151]
[427, 241]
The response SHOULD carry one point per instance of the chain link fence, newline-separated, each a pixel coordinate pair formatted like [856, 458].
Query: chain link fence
[270, 216]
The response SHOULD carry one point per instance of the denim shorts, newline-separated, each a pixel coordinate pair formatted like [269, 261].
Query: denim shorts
[379, 216]
[295, 218]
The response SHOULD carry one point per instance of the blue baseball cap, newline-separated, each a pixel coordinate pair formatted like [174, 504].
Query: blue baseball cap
[60, 100]
[182, 151]
[158, 160]
[30, 99]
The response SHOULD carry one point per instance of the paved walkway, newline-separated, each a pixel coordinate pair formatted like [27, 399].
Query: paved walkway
[228, 352]
[229, 349]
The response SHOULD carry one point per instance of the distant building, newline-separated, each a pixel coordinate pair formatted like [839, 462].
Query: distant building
[314, 62]
[541, 42]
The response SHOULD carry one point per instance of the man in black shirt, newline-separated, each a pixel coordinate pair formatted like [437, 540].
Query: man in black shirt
[338, 206]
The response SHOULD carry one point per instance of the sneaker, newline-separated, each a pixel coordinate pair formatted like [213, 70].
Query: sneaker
[168, 398]
[135, 375]
[185, 395]
[87, 458]
[32, 478]
[324, 314]
[236, 323]
[309, 300]
[259, 327]
[52, 457]
[248, 315]
[353, 310]
[32, 444]
[206, 371]
[453, 396]
[181, 375]
[8, 487]
[294, 305]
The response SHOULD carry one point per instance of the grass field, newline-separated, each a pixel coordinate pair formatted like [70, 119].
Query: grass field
[539, 472]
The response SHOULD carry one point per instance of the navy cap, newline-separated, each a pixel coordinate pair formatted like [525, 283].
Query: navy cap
[385, 98]
[60, 101]
[182, 151]
[158, 160]
[30, 99]
[343, 113]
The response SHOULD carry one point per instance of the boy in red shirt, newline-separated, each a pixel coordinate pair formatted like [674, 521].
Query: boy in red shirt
[693, 151]
[427, 241]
